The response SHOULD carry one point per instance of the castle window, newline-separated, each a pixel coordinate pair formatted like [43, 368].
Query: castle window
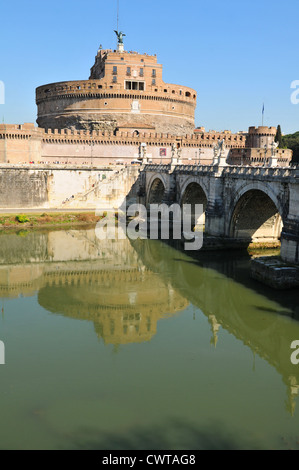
[165, 91]
[128, 70]
[153, 81]
[141, 73]
[114, 80]
[114, 70]
[188, 94]
[100, 87]
[129, 85]
[154, 73]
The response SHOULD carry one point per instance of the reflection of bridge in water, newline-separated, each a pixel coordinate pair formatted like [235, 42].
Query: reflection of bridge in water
[261, 324]
[125, 290]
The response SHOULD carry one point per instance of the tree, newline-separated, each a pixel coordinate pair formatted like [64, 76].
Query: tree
[278, 137]
[291, 141]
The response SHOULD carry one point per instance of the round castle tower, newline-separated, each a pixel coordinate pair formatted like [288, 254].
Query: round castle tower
[261, 137]
[125, 92]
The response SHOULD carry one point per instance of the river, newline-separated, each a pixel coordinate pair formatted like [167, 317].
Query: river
[137, 345]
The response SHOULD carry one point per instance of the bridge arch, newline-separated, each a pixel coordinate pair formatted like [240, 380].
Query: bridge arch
[156, 190]
[187, 182]
[192, 192]
[256, 214]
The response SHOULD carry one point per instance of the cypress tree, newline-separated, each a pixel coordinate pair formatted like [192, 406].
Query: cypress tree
[278, 137]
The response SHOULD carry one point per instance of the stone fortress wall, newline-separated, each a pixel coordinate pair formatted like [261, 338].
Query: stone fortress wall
[25, 143]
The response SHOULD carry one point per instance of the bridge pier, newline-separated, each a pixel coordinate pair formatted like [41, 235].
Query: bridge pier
[290, 242]
[215, 214]
[290, 232]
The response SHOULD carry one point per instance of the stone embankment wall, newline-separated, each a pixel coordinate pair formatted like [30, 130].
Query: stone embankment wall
[65, 188]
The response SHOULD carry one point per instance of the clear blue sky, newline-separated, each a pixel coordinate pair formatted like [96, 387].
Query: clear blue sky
[236, 54]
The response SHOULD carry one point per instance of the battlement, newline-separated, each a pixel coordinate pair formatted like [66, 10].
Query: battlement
[20, 131]
[263, 130]
[151, 138]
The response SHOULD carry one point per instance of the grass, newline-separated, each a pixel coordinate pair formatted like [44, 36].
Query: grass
[29, 221]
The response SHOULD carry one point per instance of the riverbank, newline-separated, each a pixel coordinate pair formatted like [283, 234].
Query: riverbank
[30, 221]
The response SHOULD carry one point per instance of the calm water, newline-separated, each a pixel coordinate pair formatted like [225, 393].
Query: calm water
[134, 345]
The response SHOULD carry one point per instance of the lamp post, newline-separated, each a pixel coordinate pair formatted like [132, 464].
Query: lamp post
[242, 157]
[199, 155]
[91, 148]
[265, 157]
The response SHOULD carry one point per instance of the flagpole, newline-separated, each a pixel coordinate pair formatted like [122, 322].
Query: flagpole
[263, 112]
[117, 14]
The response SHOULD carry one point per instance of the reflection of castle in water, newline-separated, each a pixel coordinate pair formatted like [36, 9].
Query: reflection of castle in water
[125, 290]
[101, 281]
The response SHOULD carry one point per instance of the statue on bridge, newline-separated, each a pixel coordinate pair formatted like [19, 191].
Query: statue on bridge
[219, 148]
[273, 162]
[220, 153]
[274, 146]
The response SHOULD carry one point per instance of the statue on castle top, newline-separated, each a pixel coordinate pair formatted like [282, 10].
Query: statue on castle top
[120, 36]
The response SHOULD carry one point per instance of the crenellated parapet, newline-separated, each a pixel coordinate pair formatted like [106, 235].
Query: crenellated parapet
[161, 139]
[20, 131]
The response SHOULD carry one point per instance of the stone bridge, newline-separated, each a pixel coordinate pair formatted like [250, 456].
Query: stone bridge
[258, 204]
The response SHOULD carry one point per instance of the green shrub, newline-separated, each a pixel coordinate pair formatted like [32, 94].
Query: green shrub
[22, 219]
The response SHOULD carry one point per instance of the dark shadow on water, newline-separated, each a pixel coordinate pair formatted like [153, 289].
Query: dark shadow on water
[175, 435]
[270, 310]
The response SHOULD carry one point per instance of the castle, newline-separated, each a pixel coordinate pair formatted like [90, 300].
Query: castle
[125, 111]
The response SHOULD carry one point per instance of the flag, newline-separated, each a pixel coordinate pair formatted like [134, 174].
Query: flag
[263, 108]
